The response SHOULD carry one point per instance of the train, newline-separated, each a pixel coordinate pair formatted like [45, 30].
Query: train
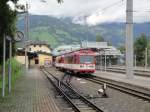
[78, 62]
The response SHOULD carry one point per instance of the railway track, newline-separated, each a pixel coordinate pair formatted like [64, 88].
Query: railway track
[143, 73]
[124, 89]
[78, 102]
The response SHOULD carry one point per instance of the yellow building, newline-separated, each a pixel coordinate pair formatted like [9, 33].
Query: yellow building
[38, 53]
[41, 59]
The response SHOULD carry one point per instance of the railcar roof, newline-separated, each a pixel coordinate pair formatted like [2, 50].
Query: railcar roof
[79, 52]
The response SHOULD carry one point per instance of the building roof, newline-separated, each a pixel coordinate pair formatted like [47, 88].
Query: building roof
[22, 50]
[37, 42]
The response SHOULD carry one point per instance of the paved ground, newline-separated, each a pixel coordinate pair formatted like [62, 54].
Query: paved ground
[116, 102]
[137, 81]
[31, 94]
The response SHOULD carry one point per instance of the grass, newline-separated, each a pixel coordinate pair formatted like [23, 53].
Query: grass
[17, 70]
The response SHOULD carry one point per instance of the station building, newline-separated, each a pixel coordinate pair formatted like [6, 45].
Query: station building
[38, 53]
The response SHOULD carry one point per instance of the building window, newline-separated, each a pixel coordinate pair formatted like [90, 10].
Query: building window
[29, 49]
[40, 45]
[36, 61]
[34, 45]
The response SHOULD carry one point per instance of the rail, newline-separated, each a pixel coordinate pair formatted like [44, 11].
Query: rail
[136, 72]
[58, 85]
[110, 84]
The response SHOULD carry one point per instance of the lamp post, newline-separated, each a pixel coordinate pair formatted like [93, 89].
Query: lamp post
[4, 58]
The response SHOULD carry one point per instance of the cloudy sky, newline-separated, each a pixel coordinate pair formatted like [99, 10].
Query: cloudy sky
[90, 11]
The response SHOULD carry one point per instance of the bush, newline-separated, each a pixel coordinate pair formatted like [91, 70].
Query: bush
[17, 70]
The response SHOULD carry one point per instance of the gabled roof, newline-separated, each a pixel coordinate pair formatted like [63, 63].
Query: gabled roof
[39, 43]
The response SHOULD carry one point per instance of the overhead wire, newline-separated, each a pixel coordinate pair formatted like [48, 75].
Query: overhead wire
[110, 6]
[139, 11]
[118, 4]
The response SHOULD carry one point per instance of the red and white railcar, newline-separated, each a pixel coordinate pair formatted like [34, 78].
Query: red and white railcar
[81, 61]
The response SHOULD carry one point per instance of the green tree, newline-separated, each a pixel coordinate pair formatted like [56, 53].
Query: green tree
[122, 49]
[8, 18]
[7, 22]
[60, 1]
[99, 38]
[148, 52]
[140, 45]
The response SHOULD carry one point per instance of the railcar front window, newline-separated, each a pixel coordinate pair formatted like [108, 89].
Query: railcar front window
[86, 59]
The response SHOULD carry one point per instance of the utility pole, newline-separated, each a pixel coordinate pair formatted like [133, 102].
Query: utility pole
[145, 57]
[26, 33]
[129, 39]
[4, 58]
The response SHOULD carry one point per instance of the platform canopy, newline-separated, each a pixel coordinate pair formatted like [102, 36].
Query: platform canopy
[100, 48]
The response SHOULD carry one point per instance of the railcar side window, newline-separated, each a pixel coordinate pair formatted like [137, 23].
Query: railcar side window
[86, 59]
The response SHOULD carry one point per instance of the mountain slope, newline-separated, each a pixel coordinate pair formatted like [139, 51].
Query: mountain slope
[62, 31]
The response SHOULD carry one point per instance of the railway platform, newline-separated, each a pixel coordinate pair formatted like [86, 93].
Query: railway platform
[142, 69]
[32, 93]
[137, 81]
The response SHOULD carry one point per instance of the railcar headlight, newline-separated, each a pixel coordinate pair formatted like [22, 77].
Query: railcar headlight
[91, 66]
